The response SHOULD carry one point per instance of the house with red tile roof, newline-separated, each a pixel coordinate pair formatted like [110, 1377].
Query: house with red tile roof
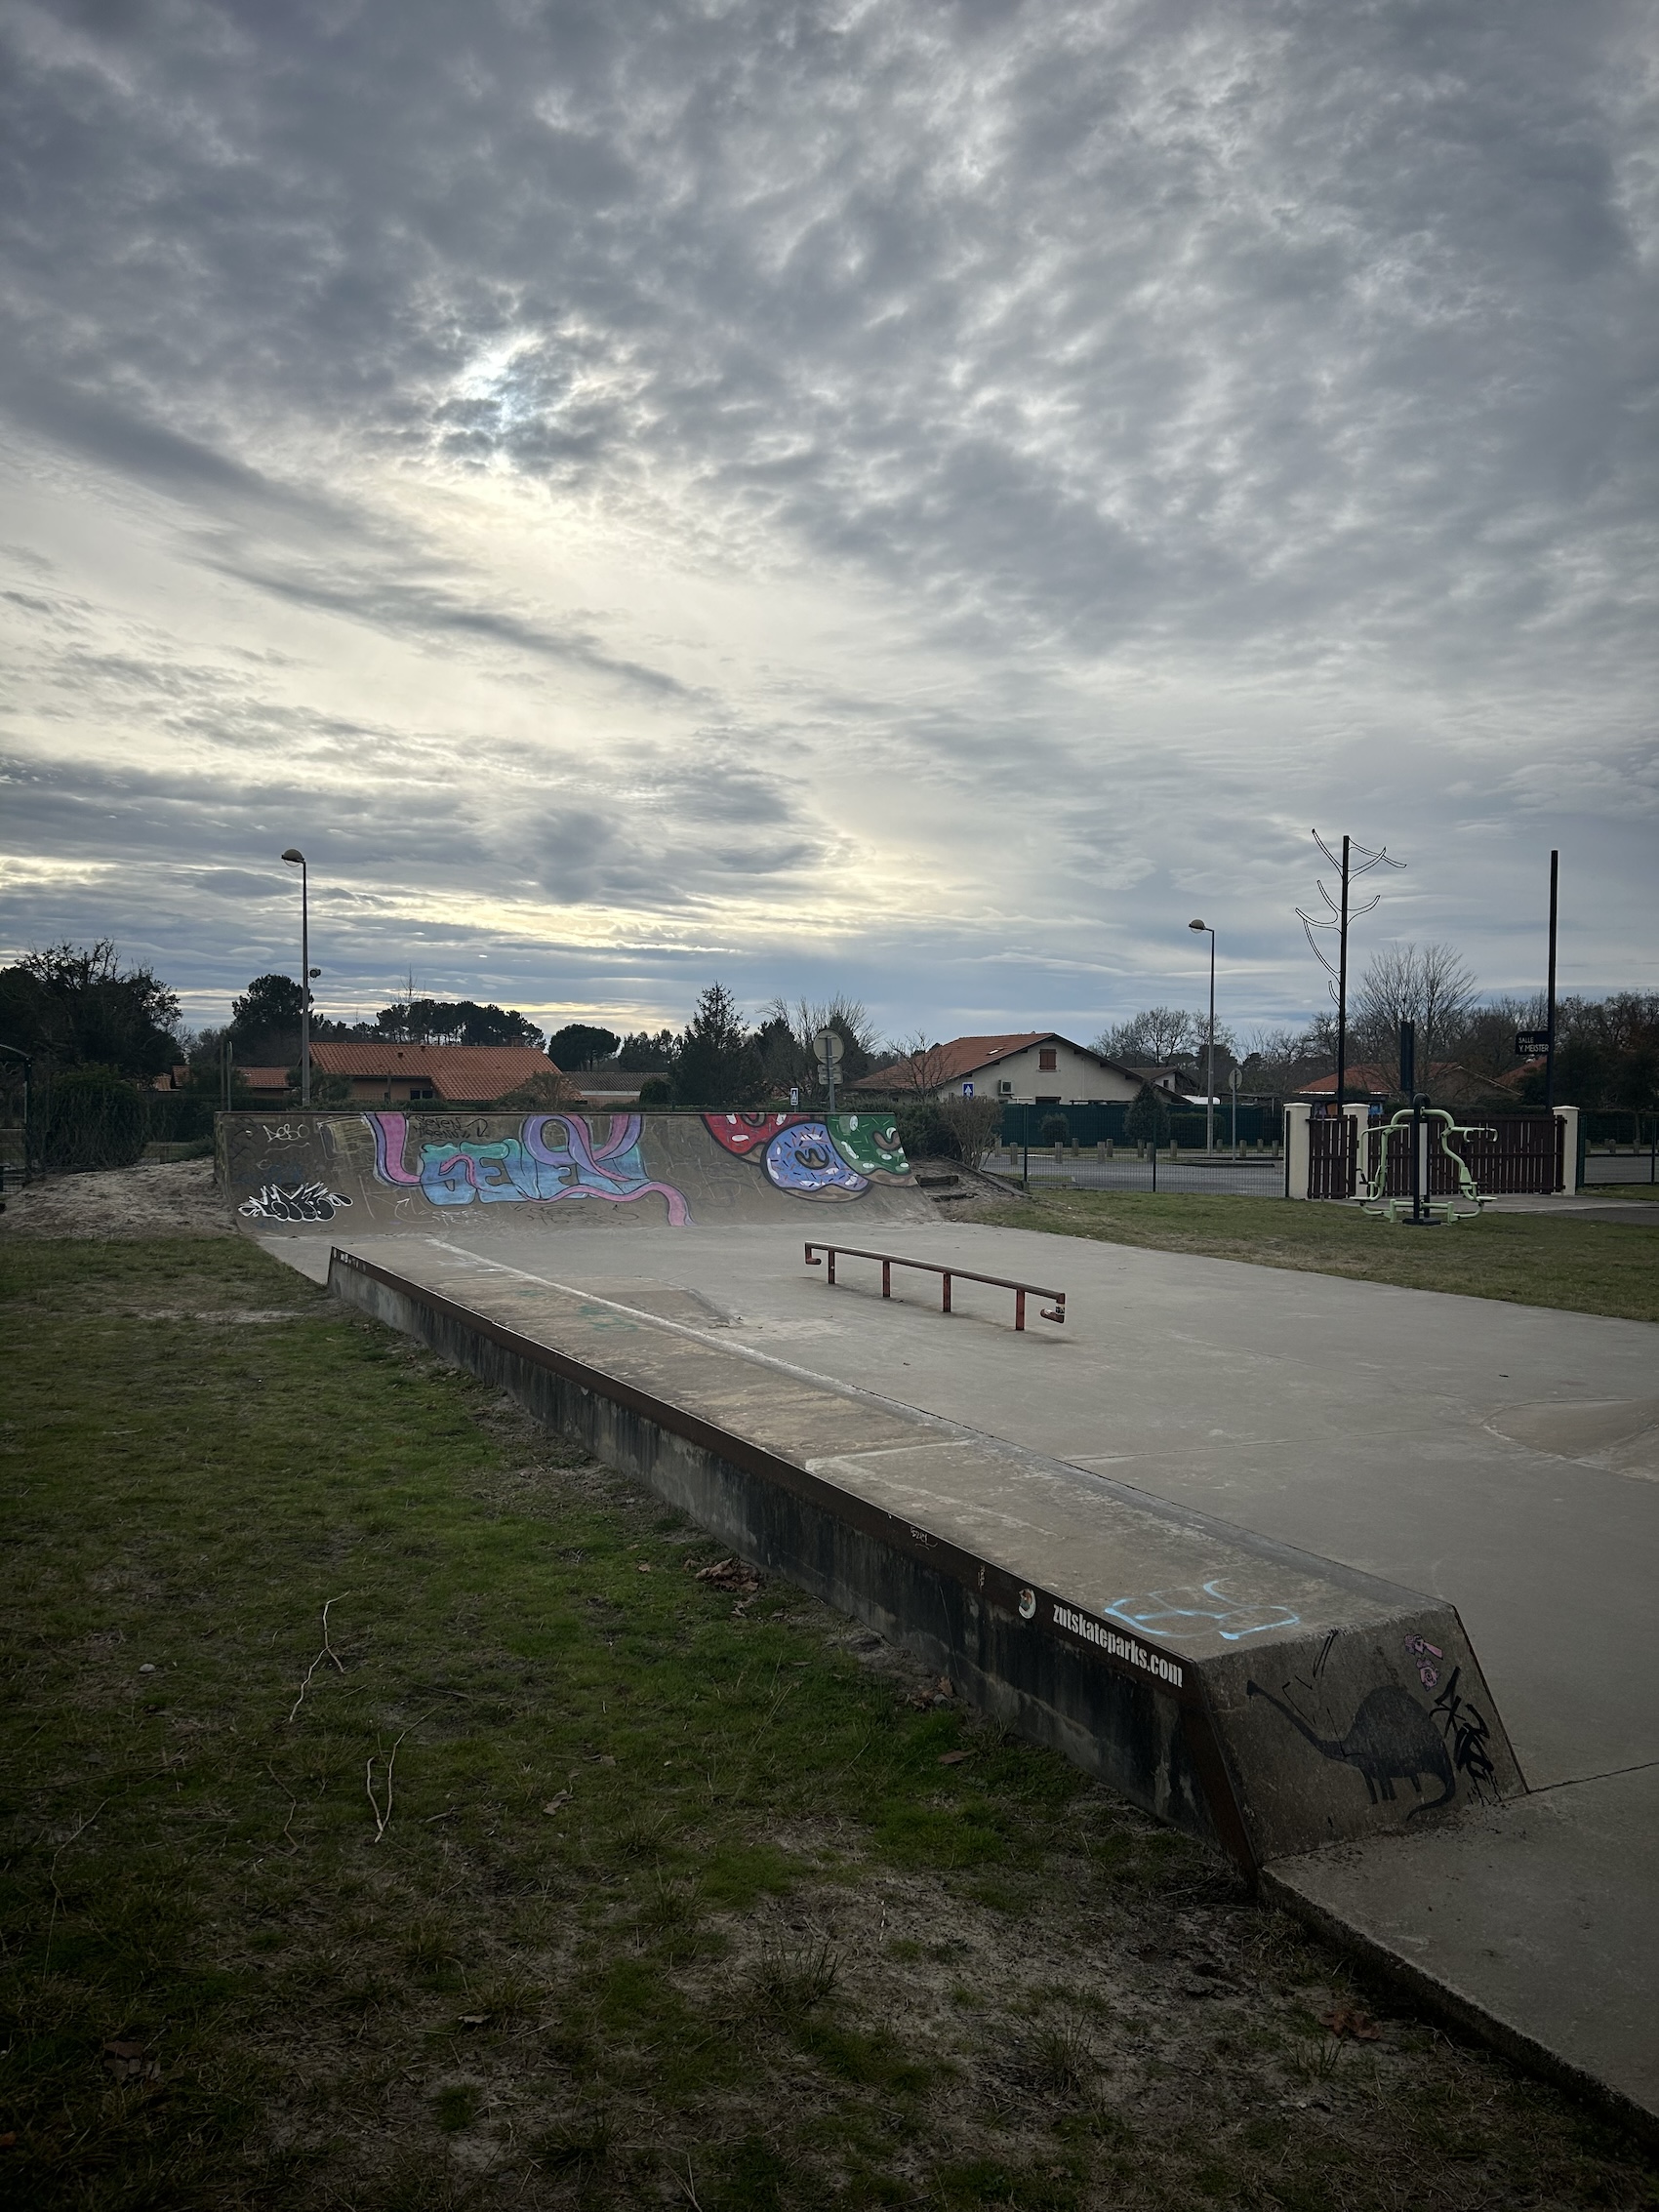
[1032, 1067]
[409, 1074]
[1448, 1082]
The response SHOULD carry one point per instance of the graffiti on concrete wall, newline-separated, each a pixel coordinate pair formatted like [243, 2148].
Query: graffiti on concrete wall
[1468, 1734]
[1390, 1739]
[554, 1158]
[814, 1157]
[293, 1202]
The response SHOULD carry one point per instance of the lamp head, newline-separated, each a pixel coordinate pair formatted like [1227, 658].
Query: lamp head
[294, 857]
[1189, 925]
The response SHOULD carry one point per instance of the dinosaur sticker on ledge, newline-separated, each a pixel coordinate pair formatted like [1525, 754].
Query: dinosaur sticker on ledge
[1390, 1739]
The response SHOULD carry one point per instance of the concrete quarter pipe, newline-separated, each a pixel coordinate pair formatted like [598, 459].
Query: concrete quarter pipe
[380, 1172]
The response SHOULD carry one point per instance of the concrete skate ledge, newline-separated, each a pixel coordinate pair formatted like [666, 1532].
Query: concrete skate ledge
[1262, 1700]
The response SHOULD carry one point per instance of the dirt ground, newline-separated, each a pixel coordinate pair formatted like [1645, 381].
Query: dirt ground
[155, 1198]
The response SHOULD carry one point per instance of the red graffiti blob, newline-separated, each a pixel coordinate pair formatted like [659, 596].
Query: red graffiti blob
[746, 1133]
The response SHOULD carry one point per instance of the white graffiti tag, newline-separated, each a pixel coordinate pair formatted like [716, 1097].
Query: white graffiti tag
[293, 1202]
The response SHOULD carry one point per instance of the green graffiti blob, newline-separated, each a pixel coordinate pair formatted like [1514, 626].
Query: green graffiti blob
[869, 1143]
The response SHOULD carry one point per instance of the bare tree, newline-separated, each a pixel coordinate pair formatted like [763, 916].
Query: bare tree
[1155, 1035]
[850, 1020]
[1430, 986]
[541, 1094]
[1487, 1046]
[1159, 1034]
[976, 1124]
[1279, 1061]
[921, 1071]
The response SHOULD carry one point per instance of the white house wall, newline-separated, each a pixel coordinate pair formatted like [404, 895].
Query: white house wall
[1076, 1079]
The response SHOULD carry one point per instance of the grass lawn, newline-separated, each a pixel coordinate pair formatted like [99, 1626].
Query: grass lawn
[574, 1877]
[1586, 1267]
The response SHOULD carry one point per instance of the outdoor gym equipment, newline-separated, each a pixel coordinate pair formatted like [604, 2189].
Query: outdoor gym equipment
[1425, 1212]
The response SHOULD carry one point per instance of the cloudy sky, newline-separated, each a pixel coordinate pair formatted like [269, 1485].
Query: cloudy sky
[912, 497]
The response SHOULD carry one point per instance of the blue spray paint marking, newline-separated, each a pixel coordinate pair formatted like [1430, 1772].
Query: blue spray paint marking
[1161, 1613]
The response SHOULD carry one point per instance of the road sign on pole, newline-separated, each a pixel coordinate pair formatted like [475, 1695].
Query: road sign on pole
[831, 1051]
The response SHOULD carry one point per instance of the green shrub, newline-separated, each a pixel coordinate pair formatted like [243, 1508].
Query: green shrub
[183, 1118]
[1056, 1129]
[1147, 1119]
[924, 1132]
[656, 1091]
[95, 1119]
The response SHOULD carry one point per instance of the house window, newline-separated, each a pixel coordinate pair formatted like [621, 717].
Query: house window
[416, 1092]
[1048, 1059]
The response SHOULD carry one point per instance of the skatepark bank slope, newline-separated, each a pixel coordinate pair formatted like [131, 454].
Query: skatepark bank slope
[383, 1172]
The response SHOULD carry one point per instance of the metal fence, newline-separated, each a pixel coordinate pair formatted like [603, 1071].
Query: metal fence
[1107, 1121]
[1603, 1169]
[1259, 1176]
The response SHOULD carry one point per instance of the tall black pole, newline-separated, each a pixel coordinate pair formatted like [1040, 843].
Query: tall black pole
[304, 986]
[1342, 1012]
[1209, 1064]
[1550, 1050]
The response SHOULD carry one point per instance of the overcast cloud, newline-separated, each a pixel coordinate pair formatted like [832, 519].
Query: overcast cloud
[913, 498]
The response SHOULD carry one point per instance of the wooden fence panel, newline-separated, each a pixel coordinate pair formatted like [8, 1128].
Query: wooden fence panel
[1505, 1154]
[1332, 1158]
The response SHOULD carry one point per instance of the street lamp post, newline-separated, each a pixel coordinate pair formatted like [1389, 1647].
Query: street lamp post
[1209, 1050]
[297, 858]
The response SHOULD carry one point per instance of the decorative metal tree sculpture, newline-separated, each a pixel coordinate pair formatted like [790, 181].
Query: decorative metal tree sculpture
[1338, 917]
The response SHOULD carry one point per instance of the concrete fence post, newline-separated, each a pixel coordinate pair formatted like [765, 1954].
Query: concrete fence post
[1296, 1151]
[1360, 1117]
[1568, 1117]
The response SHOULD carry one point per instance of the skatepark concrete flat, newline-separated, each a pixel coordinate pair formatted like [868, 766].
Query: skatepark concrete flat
[1402, 1432]
[1534, 1922]
[1501, 1457]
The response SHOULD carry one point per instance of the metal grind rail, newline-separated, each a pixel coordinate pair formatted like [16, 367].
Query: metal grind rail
[891, 1260]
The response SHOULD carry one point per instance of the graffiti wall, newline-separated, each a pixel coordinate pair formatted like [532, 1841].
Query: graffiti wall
[399, 1167]
[814, 1158]
[554, 1158]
